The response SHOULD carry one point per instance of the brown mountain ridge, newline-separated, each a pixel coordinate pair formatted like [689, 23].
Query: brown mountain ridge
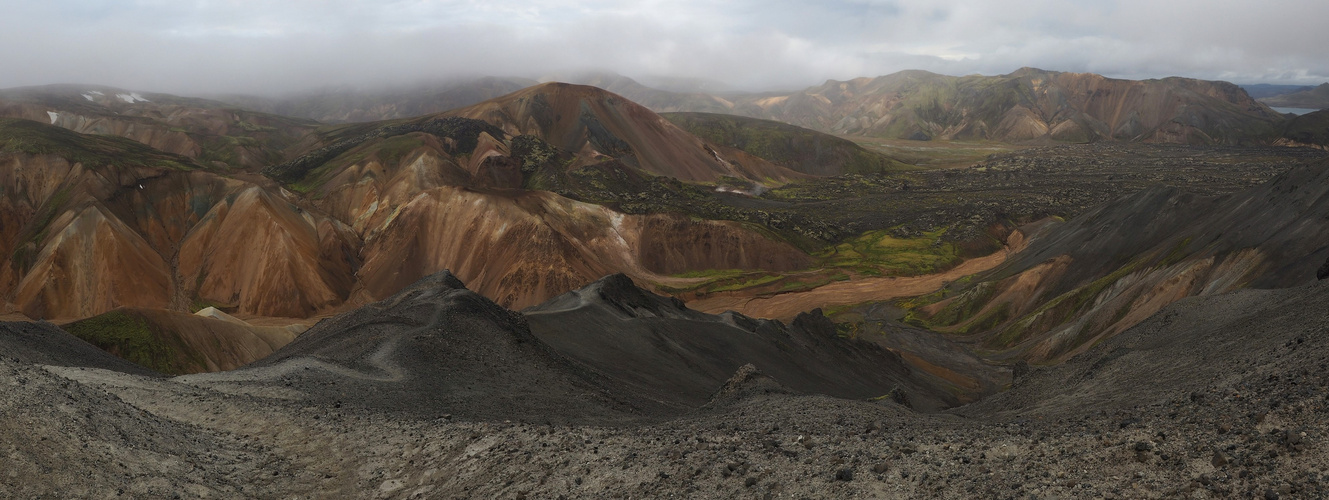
[92, 225]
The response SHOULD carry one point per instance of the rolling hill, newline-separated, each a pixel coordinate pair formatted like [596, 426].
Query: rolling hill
[789, 146]
[214, 134]
[1027, 105]
[1312, 98]
[1310, 129]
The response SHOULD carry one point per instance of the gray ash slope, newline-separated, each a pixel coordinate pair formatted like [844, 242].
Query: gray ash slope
[1242, 347]
[433, 349]
[1089, 278]
[43, 343]
[679, 357]
[1215, 396]
[610, 354]
[64, 436]
[1286, 218]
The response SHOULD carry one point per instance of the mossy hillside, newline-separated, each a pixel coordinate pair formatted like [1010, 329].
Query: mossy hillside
[93, 151]
[879, 253]
[1310, 128]
[875, 253]
[786, 145]
[129, 336]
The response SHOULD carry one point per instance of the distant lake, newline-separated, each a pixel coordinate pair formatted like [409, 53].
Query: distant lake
[1295, 111]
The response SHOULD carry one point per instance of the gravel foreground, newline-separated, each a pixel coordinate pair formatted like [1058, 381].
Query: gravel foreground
[1222, 397]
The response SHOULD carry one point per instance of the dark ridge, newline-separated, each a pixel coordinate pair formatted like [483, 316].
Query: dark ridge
[814, 321]
[602, 138]
[620, 291]
[434, 349]
[679, 357]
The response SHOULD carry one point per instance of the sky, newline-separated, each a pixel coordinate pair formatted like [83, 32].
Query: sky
[277, 47]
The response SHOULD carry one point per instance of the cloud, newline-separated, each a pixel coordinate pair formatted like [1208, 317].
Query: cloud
[270, 47]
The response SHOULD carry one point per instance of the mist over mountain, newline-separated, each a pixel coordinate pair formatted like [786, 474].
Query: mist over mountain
[556, 249]
[279, 48]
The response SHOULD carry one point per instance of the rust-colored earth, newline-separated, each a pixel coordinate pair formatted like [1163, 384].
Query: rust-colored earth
[787, 305]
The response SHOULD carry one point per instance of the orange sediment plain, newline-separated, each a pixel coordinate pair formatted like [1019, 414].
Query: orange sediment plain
[786, 306]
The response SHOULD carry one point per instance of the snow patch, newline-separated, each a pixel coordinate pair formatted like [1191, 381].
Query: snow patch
[54, 116]
[131, 97]
[95, 92]
[88, 97]
[616, 223]
[755, 190]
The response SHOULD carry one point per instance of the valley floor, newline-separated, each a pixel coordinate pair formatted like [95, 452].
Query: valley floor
[854, 291]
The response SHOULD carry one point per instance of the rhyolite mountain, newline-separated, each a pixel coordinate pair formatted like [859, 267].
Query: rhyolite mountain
[593, 124]
[97, 222]
[1026, 105]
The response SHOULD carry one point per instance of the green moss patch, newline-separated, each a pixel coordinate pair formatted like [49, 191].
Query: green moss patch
[131, 337]
[33, 138]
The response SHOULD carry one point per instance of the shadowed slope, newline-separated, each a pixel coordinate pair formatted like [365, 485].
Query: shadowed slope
[680, 357]
[1111, 268]
[177, 343]
[1310, 129]
[434, 348]
[45, 344]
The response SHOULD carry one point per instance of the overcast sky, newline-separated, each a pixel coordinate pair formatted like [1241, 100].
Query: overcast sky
[201, 46]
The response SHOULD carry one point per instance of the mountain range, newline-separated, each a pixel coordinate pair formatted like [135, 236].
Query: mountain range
[121, 199]
[1026, 105]
[471, 301]
[364, 210]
